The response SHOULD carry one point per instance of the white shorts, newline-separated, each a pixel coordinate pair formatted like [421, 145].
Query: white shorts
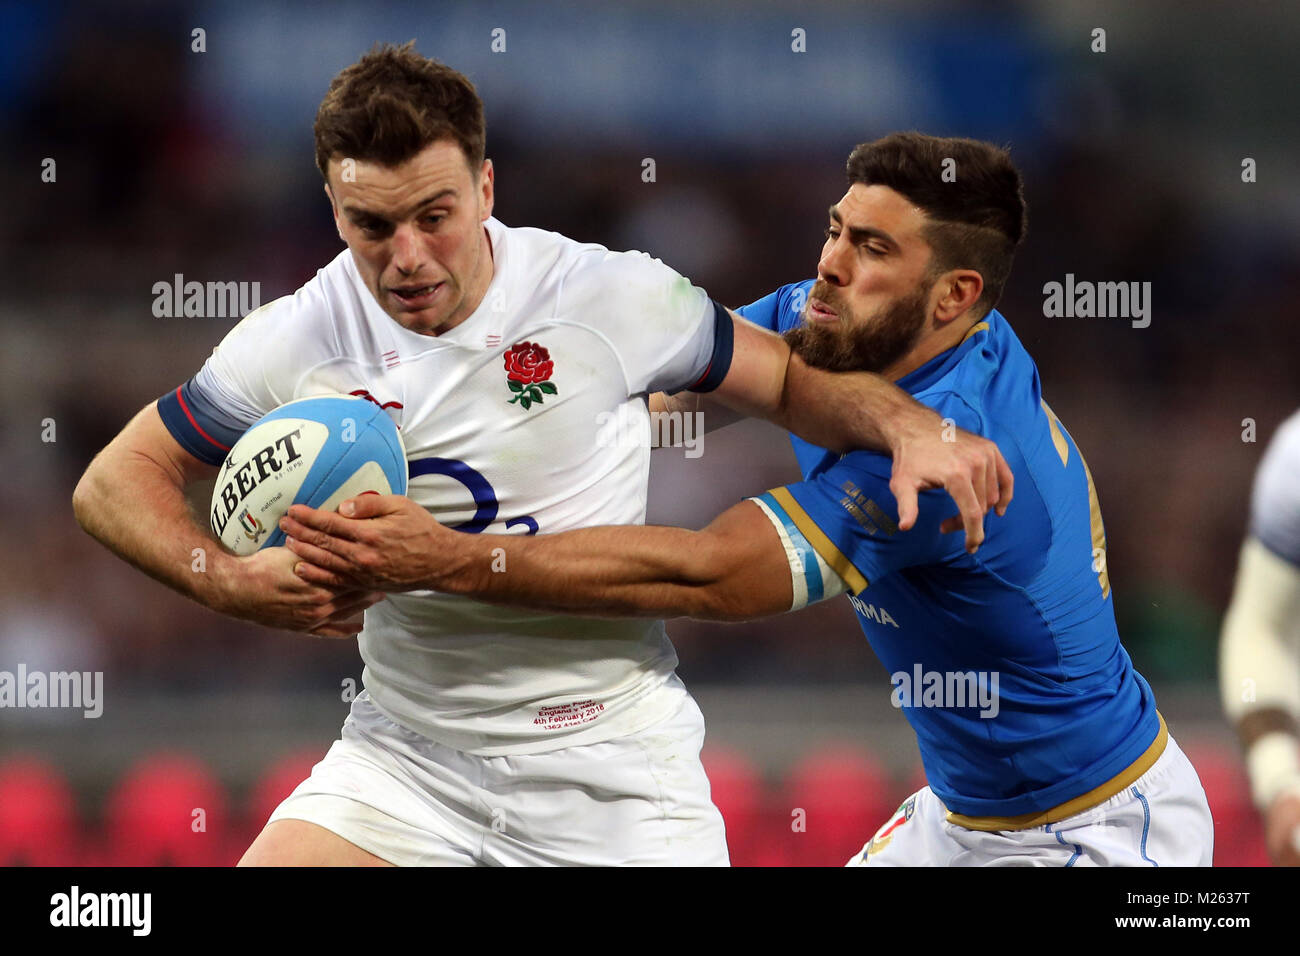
[1161, 819]
[641, 799]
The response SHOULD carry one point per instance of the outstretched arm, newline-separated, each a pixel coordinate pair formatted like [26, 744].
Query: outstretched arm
[786, 548]
[733, 570]
[860, 410]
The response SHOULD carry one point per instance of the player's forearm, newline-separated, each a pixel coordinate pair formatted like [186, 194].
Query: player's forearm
[651, 572]
[841, 411]
[850, 410]
[134, 508]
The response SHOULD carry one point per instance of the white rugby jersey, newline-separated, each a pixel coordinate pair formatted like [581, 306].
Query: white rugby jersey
[1275, 501]
[502, 421]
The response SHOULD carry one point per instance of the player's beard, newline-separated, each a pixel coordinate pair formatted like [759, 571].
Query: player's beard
[855, 343]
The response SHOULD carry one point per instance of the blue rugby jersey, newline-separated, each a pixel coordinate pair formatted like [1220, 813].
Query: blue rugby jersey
[1032, 607]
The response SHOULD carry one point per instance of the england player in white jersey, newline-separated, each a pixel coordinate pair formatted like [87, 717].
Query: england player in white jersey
[485, 735]
[1259, 668]
[594, 330]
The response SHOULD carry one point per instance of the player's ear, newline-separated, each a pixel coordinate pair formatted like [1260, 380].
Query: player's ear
[959, 290]
[487, 190]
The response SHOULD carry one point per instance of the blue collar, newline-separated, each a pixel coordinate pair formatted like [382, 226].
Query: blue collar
[918, 380]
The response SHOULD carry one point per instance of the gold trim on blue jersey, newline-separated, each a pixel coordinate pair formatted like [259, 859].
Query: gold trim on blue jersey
[1097, 795]
[1098, 534]
[1096, 526]
[1058, 437]
[806, 571]
[832, 555]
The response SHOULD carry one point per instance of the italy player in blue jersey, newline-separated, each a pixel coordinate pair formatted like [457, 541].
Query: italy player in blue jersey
[1041, 743]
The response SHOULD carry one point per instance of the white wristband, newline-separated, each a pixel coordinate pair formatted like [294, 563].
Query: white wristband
[1273, 763]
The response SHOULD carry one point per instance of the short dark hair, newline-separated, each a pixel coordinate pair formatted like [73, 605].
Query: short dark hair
[977, 219]
[391, 104]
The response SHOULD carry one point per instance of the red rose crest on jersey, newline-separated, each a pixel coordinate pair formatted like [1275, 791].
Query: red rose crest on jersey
[528, 370]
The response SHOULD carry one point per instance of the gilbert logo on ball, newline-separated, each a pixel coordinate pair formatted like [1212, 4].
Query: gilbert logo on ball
[314, 451]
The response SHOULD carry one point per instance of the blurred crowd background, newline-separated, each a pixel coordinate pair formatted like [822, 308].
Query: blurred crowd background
[174, 161]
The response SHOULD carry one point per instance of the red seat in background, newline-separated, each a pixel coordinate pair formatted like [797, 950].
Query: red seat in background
[737, 789]
[1238, 828]
[167, 810]
[845, 796]
[38, 815]
[277, 782]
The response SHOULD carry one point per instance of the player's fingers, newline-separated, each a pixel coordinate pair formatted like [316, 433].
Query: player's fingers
[978, 473]
[904, 492]
[353, 602]
[951, 524]
[313, 574]
[327, 522]
[370, 504]
[306, 595]
[990, 481]
[322, 558]
[324, 540]
[972, 514]
[346, 628]
[1006, 484]
[331, 614]
[346, 604]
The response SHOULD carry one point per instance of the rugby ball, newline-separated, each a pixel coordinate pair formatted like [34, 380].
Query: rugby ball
[314, 451]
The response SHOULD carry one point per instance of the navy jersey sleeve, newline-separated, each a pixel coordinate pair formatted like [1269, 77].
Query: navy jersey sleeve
[254, 369]
[198, 424]
[720, 358]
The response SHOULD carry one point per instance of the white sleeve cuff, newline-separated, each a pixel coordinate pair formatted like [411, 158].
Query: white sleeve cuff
[811, 578]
